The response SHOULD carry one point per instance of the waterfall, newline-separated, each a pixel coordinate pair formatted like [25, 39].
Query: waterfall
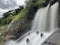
[54, 16]
[40, 19]
[44, 25]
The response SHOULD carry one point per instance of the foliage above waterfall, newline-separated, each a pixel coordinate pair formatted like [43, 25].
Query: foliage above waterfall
[22, 18]
[30, 4]
[20, 12]
[8, 16]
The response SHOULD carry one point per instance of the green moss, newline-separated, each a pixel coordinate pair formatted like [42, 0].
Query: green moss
[2, 29]
[20, 15]
[40, 1]
[2, 38]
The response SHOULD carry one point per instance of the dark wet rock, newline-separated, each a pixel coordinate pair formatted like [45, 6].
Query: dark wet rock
[49, 43]
[28, 33]
[41, 35]
[45, 42]
[53, 44]
[37, 32]
[51, 1]
[27, 40]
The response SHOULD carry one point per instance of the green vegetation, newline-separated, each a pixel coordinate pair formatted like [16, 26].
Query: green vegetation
[5, 21]
[20, 15]
[26, 14]
[19, 12]
[26, 9]
[8, 16]
[2, 29]
[2, 38]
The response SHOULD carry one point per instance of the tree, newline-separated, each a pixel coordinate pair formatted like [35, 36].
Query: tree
[18, 9]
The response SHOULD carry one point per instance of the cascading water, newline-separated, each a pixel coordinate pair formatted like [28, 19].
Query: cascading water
[53, 16]
[40, 19]
[44, 24]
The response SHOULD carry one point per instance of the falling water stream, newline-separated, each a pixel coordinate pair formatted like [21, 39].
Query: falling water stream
[44, 24]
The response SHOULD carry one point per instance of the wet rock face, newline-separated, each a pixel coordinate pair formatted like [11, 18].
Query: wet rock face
[28, 33]
[27, 40]
[31, 13]
[37, 32]
[41, 35]
[51, 43]
[51, 1]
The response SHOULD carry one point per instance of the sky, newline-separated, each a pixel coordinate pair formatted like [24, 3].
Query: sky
[6, 5]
